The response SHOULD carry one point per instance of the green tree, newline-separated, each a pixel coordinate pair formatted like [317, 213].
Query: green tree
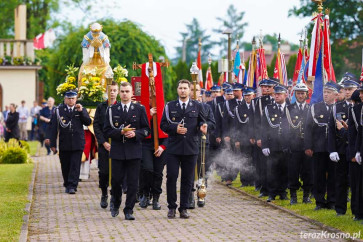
[346, 31]
[128, 44]
[191, 39]
[234, 21]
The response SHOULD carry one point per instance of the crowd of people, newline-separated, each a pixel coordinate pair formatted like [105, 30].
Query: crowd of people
[276, 142]
[14, 121]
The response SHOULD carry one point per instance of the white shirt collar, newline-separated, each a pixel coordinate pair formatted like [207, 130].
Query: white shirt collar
[282, 105]
[127, 105]
[186, 103]
[303, 104]
[70, 107]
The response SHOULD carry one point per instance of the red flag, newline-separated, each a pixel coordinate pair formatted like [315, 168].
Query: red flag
[328, 65]
[315, 46]
[276, 70]
[45, 40]
[199, 64]
[209, 79]
[297, 66]
[361, 75]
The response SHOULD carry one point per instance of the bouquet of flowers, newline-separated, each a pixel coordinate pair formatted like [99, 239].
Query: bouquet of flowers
[92, 87]
[120, 74]
[70, 82]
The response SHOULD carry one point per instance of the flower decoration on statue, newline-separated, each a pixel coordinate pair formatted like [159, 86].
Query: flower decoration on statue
[70, 82]
[120, 74]
[92, 85]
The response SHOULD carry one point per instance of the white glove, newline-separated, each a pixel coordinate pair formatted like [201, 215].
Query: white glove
[334, 156]
[358, 158]
[266, 151]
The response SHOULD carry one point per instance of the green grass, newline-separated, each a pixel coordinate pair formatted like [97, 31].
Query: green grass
[14, 183]
[328, 217]
[33, 147]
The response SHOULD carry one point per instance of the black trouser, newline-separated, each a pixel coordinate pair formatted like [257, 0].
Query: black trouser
[255, 157]
[324, 179]
[341, 184]
[356, 200]
[187, 165]
[103, 167]
[300, 166]
[130, 169]
[261, 170]
[71, 167]
[151, 172]
[247, 169]
[277, 173]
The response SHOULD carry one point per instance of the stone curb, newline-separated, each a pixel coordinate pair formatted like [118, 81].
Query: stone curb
[317, 223]
[24, 228]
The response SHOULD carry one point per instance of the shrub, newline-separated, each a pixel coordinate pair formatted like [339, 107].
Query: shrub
[14, 155]
[25, 146]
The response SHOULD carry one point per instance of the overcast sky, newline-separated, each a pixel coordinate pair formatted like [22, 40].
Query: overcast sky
[165, 19]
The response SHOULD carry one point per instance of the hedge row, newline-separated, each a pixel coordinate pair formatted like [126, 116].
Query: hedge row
[14, 152]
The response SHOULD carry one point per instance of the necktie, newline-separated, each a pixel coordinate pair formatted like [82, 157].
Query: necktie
[301, 107]
[183, 107]
[70, 110]
[125, 109]
[280, 108]
[239, 102]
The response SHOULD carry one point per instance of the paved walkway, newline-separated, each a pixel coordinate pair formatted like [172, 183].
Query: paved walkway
[228, 216]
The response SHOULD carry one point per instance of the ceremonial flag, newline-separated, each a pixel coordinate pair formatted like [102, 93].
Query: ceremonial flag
[300, 78]
[328, 65]
[45, 40]
[237, 63]
[251, 70]
[262, 64]
[280, 68]
[361, 75]
[241, 74]
[199, 64]
[208, 79]
[297, 66]
[315, 46]
[319, 81]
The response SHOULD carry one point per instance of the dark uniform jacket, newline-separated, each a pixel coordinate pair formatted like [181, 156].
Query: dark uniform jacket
[359, 141]
[220, 114]
[229, 115]
[210, 121]
[316, 128]
[296, 119]
[12, 124]
[193, 117]
[123, 148]
[275, 128]
[338, 139]
[99, 122]
[242, 124]
[354, 118]
[258, 106]
[70, 127]
[148, 142]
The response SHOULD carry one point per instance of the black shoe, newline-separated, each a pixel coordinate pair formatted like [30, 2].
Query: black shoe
[149, 202]
[144, 202]
[262, 195]
[284, 197]
[171, 213]
[318, 207]
[114, 212]
[112, 203]
[72, 191]
[156, 205]
[330, 206]
[191, 202]
[67, 190]
[306, 199]
[270, 198]
[293, 200]
[129, 216]
[103, 202]
[183, 213]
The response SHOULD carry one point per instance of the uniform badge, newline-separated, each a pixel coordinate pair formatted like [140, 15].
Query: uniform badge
[321, 116]
[272, 119]
[173, 119]
[343, 105]
[118, 108]
[132, 107]
[274, 107]
[116, 124]
[65, 109]
[266, 98]
[190, 104]
[145, 132]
